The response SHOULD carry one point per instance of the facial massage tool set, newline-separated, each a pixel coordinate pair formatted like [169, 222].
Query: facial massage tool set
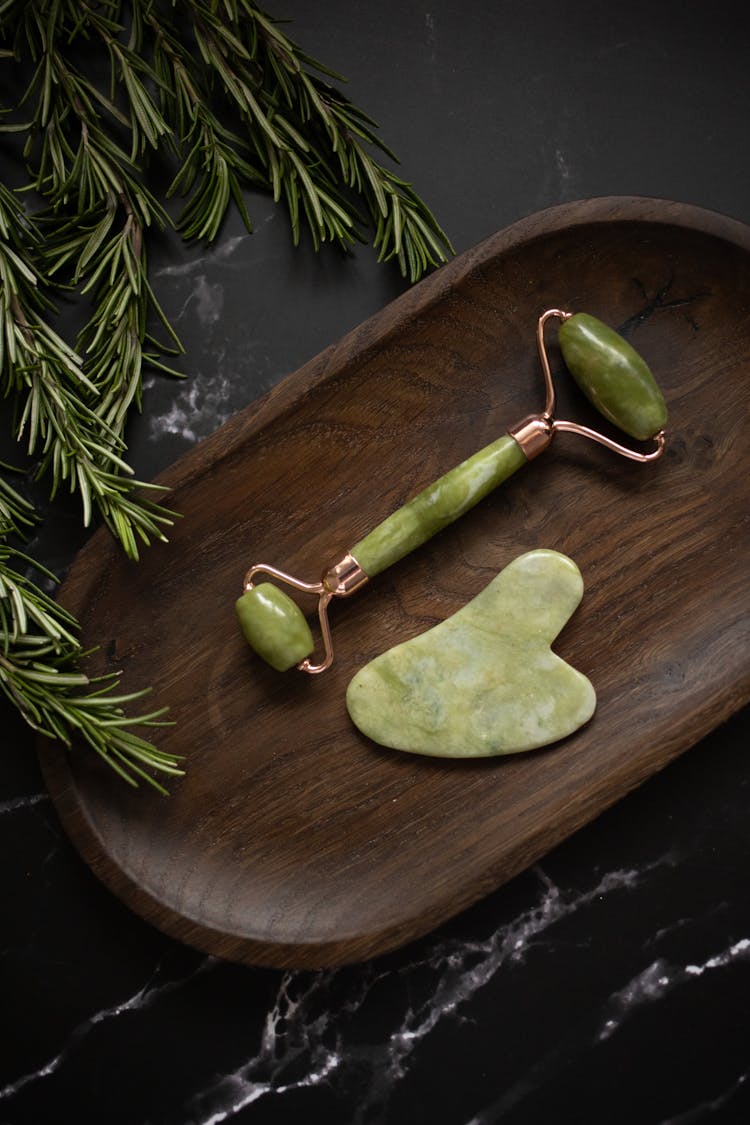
[485, 681]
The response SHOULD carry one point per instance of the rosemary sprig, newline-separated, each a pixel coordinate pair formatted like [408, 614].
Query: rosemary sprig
[40, 672]
[61, 412]
[309, 139]
[216, 92]
[60, 701]
[219, 88]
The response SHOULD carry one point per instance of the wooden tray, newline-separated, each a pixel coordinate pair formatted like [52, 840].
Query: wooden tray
[293, 841]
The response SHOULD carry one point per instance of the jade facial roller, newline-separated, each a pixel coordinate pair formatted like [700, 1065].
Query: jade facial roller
[612, 376]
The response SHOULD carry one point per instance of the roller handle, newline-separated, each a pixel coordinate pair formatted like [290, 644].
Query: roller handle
[439, 504]
[611, 374]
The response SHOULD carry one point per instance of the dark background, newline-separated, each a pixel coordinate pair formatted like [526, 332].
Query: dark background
[610, 983]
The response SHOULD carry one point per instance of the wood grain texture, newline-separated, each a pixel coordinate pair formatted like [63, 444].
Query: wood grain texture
[293, 841]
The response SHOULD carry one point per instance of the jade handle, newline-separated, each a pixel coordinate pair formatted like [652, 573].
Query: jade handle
[438, 505]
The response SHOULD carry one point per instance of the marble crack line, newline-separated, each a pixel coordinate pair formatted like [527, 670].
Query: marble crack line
[144, 998]
[304, 1029]
[460, 981]
[16, 804]
[224, 250]
[207, 301]
[681, 923]
[244, 1093]
[661, 977]
[290, 1030]
[700, 1112]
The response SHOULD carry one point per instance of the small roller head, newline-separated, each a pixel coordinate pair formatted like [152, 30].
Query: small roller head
[274, 626]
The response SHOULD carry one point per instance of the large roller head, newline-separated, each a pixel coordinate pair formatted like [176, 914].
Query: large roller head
[615, 379]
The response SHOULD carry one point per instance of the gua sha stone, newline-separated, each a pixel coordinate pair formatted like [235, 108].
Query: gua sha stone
[485, 681]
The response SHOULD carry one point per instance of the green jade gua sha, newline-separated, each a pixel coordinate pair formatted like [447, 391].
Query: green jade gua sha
[485, 681]
[612, 376]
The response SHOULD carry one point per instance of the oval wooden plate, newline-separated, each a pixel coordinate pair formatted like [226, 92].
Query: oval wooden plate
[293, 841]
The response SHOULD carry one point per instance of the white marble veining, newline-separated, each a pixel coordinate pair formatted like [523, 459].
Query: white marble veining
[304, 1041]
[204, 302]
[193, 294]
[310, 1035]
[293, 1030]
[140, 1000]
[661, 977]
[221, 252]
[19, 804]
[198, 408]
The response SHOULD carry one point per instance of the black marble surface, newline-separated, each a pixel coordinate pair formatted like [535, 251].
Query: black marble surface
[611, 983]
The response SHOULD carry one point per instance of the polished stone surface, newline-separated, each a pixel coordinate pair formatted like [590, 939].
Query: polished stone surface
[485, 681]
[611, 981]
[613, 376]
[274, 626]
[438, 505]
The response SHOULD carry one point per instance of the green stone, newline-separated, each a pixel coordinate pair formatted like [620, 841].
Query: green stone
[439, 504]
[485, 681]
[613, 376]
[274, 626]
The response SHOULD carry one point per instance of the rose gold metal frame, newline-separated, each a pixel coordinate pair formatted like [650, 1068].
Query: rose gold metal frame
[535, 432]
